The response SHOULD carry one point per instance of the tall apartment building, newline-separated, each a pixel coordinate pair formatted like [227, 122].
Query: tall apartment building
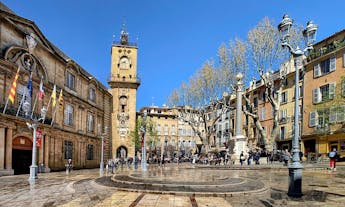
[72, 129]
[324, 92]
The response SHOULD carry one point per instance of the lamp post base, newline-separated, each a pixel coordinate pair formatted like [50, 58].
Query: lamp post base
[101, 170]
[33, 173]
[295, 180]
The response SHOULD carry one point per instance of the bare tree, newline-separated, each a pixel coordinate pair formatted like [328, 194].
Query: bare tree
[266, 53]
[205, 98]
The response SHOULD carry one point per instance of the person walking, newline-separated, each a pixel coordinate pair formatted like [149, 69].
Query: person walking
[286, 157]
[333, 159]
[69, 166]
[250, 157]
[242, 158]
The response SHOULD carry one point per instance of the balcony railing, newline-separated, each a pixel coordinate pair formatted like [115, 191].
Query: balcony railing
[130, 44]
[13, 111]
[124, 79]
[335, 45]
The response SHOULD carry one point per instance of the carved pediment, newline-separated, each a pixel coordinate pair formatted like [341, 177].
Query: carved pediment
[22, 58]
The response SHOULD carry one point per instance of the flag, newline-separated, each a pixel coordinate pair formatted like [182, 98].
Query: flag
[41, 91]
[54, 96]
[13, 88]
[60, 101]
[29, 86]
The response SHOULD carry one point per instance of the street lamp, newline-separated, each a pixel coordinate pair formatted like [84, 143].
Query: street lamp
[143, 151]
[295, 168]
[101, 164]
[33, 125]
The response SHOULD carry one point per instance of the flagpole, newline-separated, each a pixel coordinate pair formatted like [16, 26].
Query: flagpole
[21, 102]
[54, 91]
[51, 124]
[33, 108]
[44, 118]
[4, 111]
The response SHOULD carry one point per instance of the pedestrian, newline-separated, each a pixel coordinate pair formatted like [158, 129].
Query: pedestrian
[112, 166]
[69, 166]
[250, 157]
[333, 155]
[136, 160]
[163, 161]
[242, 158]
[271, 157]
[286, 157]
[300, 156]
[226, 158]
[257, 157]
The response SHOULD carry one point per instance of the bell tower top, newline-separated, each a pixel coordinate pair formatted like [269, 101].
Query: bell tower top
[124, 36]
[124, 63]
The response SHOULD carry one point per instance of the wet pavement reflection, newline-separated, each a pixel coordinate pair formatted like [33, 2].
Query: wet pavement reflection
[85, 188]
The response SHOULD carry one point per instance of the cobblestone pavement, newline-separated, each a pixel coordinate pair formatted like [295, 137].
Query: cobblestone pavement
[85, 188]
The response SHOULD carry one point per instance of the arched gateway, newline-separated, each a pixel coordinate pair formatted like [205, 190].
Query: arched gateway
[121, 152]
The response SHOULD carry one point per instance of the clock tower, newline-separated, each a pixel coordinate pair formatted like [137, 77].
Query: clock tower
[123, 83]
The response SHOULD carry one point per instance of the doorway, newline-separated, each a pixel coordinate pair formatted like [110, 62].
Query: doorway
[21, 155]
[21, 161]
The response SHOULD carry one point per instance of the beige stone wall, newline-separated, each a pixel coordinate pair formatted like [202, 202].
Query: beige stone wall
[53, 65]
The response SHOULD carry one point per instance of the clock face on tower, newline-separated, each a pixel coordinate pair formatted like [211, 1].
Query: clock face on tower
[124, 62]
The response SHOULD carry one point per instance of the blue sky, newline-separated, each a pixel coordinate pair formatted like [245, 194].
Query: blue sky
[175, 37]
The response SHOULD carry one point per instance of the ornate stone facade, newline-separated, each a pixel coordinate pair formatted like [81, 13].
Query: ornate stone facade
[72, 128]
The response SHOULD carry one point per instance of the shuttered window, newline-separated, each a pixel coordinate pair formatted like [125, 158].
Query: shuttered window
[325, 66]
[313, 119]
[68, 115]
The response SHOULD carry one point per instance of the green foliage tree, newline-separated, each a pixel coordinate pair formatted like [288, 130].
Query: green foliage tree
[151, 133]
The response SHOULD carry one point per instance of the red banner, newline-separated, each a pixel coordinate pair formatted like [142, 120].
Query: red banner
[38, 138]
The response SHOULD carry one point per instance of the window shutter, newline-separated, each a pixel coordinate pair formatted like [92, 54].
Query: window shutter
[333, 115]
[66, 114]
[332, 64]
[313, 119]
[317, 95]
[331, 90]
[344, 60]
[341, 114]
[343, 87]
[317, 70]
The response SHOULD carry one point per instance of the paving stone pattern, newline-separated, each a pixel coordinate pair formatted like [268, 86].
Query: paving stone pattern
[85, 188]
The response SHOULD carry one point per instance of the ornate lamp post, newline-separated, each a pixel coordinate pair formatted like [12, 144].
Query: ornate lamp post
[33, 125]
[295, 168]
[143, 151]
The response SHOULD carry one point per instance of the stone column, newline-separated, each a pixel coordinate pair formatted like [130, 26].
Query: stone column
[239, 138]
[2, 148]
[9, 136]
[46, 153]
[41, 151]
